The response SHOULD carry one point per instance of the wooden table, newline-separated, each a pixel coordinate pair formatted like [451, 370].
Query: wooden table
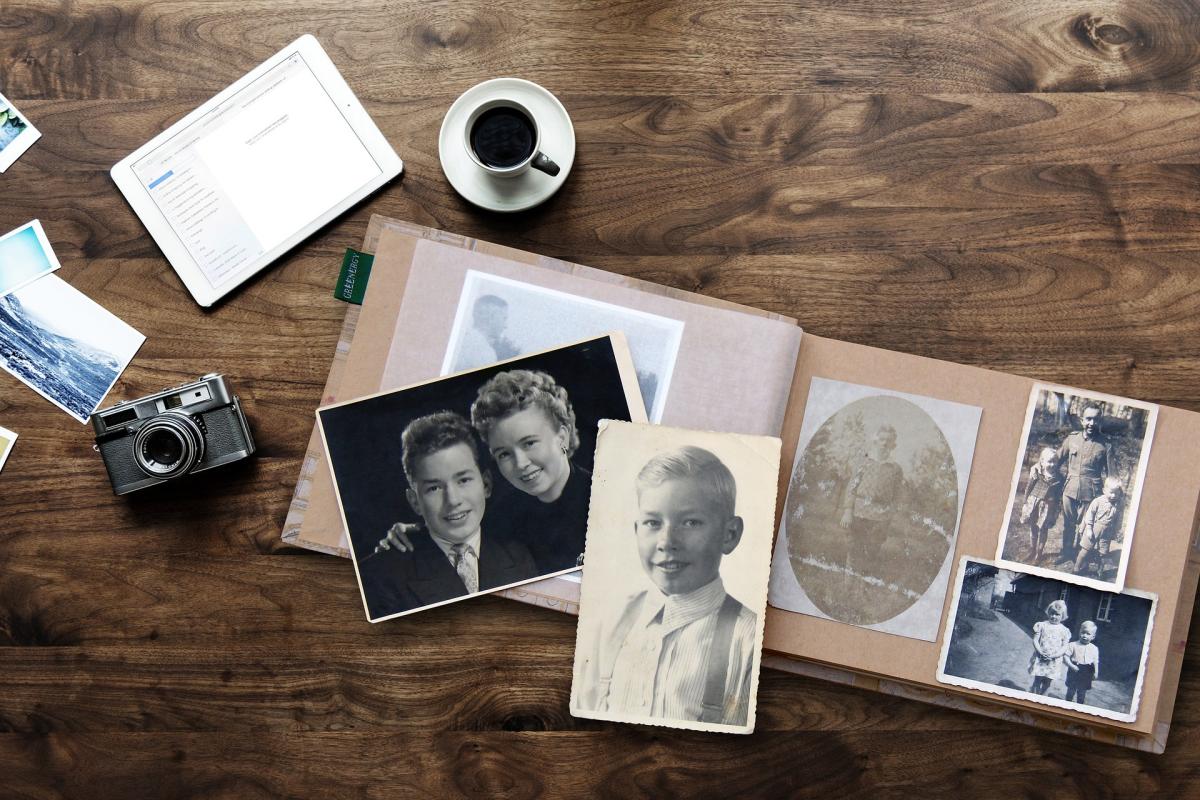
[1010, 184]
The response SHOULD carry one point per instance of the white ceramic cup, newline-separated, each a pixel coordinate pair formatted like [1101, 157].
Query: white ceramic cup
[536, 158]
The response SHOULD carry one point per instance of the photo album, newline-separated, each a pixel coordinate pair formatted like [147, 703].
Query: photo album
[743, 495]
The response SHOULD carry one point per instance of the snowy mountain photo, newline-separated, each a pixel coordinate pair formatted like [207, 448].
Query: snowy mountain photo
[63, 345]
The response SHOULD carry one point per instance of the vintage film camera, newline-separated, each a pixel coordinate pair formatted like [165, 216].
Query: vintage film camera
[170, 434]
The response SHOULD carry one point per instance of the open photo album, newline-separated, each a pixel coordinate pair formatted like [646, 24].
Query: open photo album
[956, 535]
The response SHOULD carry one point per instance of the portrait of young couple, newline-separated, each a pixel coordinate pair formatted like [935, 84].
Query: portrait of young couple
[477, 481]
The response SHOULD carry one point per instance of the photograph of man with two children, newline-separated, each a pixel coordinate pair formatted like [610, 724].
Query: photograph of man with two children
[1077, 485]
[1051, 642]
[477, 481]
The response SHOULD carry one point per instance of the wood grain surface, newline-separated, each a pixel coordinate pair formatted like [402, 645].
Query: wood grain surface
[1013, 184]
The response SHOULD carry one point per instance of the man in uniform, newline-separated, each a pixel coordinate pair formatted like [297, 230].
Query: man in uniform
[1088, 457]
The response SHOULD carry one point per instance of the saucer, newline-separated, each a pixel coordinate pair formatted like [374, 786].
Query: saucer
[525, 190]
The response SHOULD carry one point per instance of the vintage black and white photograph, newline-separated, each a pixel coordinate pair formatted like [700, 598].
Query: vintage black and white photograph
[500, 318]
[678, 551]
[63, 345]
[1047, 641]
[25, 256]
[17, 133]
[1077, 485]
[873, 507]
[477, 481]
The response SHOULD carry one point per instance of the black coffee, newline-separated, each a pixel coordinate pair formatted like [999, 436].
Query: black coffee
[502, 137]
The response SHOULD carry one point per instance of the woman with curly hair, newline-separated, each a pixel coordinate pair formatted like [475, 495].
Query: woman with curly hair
[527, 424]
[526, 420]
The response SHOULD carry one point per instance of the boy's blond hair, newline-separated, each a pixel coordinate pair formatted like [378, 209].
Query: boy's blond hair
[1087, 625]
[693, 463]
[1113, 482]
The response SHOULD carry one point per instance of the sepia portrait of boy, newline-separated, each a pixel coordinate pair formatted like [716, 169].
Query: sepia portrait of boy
[679, 644]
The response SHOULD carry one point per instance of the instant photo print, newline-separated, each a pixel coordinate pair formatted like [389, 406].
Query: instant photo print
[1161, 558]
[25, 256]
[63, 345]
[488, 472]
[17, 133]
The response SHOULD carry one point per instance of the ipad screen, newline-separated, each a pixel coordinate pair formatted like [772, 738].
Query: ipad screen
[256, 169]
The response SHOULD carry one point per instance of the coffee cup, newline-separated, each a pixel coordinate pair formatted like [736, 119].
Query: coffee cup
[502, 137]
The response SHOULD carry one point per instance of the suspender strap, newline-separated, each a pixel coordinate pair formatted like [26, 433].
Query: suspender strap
[718, 661]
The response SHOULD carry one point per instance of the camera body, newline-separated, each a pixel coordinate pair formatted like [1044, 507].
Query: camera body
[176, 432]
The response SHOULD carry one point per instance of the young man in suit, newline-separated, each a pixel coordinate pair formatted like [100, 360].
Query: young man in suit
[448, 488]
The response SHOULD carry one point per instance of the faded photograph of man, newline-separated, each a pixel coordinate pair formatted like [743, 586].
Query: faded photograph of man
[487, 340]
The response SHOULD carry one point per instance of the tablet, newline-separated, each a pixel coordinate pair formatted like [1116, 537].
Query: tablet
[251, 173]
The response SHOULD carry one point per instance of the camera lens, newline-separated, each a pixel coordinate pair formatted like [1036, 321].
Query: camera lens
[169, 445]
[164, 447]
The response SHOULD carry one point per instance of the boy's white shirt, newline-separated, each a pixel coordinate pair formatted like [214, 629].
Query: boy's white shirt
[661, 666]
[1081, 654]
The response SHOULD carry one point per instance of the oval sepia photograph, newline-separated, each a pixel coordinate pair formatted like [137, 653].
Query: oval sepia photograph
[873, 505]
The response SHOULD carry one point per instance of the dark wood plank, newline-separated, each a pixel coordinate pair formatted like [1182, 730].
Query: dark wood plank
[142, 49]
[755, 209]
[619, 763]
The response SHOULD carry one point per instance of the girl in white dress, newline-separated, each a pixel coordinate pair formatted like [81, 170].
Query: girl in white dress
[1050, 641]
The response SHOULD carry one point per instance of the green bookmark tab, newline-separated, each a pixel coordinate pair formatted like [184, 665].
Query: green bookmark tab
[352, 281]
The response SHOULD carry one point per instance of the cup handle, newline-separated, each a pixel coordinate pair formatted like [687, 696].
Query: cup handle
[542, 162]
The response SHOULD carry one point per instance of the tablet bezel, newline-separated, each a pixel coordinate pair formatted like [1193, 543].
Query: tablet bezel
[164, 235]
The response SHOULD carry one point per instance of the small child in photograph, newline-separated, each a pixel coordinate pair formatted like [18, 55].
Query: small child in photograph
[1083, 663]
[1050, 641]
[1101, 524]
[1043, 496]
[686, 651]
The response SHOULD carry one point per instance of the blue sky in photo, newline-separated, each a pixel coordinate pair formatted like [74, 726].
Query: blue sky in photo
[22, 258]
